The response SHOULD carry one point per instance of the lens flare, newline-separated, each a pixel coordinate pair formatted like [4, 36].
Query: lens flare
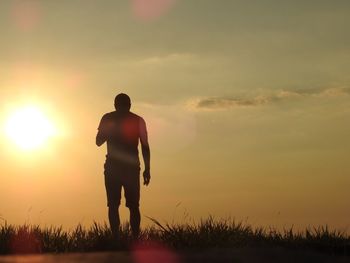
[26, 15]
[148, 10]
[152, 252]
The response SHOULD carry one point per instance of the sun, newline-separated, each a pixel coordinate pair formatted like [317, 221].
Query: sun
[29, 128]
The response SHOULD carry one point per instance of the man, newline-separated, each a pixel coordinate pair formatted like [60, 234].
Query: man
[122, 130]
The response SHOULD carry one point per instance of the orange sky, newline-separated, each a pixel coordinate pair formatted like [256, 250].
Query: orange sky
[247, 106]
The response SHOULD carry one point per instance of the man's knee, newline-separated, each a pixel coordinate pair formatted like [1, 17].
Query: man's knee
[113, 207]
[134, 208]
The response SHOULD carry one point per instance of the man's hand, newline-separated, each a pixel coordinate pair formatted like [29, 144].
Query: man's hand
[146, 177]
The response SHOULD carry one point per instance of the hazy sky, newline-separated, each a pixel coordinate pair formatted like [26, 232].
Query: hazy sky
[246, 102]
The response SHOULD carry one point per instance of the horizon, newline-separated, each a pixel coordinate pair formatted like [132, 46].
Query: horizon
[246, 106]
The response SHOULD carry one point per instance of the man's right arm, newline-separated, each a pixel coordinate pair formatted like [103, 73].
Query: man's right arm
[100, 139]
[101, 136]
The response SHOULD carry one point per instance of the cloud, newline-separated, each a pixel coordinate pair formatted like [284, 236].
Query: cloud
[222, 102]
[168, 58]
[230, 102]
[334, 92]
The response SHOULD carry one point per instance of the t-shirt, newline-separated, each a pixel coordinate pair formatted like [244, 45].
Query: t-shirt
[123, 130]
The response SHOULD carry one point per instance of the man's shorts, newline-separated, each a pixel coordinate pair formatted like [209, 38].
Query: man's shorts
[118, 176]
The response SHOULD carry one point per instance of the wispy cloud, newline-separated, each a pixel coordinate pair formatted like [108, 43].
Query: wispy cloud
[231, 102]
[228, 102]
[167, 58]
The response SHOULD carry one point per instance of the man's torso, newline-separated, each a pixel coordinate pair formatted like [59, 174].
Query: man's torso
[123, 132]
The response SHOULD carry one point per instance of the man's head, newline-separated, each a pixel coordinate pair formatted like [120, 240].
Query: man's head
[122, 102]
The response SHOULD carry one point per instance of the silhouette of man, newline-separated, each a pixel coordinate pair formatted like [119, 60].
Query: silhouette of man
[122, 130]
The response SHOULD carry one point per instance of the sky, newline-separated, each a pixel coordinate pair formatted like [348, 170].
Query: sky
[246, 103]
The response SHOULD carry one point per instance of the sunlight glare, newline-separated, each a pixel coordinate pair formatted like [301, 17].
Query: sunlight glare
[29, 128]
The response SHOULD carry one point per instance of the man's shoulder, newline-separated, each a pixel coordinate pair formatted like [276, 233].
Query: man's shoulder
[135, 116]
[114, 114]
[107, 115]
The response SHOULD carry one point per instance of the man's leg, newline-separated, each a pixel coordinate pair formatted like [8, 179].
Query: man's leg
[135, 219]
[113, 190]
[114, 220]
[132, 196]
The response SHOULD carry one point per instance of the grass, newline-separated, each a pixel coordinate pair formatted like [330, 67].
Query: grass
[208, 233]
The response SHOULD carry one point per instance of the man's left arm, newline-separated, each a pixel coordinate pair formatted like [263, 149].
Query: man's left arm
[146, 153]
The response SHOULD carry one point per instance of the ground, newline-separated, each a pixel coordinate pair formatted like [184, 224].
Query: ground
[242, 255]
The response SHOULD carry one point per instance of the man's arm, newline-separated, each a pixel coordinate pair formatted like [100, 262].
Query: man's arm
[146, 153]
[101, 137]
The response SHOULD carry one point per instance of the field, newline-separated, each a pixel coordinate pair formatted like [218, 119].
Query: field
[201, 236]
